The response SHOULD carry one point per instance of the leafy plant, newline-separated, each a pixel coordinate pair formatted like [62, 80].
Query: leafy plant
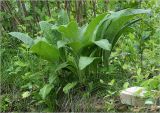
[72, 49]
[153, 90]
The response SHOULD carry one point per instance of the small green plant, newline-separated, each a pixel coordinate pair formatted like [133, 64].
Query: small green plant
[152, 86]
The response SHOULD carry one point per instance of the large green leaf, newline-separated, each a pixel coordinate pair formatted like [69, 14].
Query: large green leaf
[85, 61]
[90, 30]
[117, 20]
[73, 35]
[122, 30]
[47, 31]
[46, 90]
[101, 29]
[112, 26]
[70, 31]
[104, 44]
[63, 17]
[23, 37]
[51, 34]
[45, 50]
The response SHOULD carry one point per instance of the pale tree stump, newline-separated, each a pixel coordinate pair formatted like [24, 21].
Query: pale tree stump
[133, 96]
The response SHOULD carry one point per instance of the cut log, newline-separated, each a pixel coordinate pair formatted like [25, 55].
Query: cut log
[133, 96]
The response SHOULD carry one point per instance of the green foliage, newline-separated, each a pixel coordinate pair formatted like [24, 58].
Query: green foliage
[104, 44]
[46, 90]
[63, 17]
[68, 87]
[85, 61]
[117, 21]
[66, 60]
[70, 48]
[23, 37]
[70, 31]
[45, 50]
[47, 31]
[152, 84]
[26, 94]
[90, 30]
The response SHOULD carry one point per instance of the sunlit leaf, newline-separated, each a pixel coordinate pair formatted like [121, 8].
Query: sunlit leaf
[20, 63]
[103, 43]
[111, 83]
[61, 43]
[23, 37]
[125, 85]
[85, 61]
[46, 90]
[69, 86]
[25, 94]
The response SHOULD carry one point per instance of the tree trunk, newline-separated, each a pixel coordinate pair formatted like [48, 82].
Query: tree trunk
[36, 17]
[49, 12]
[67, 7]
